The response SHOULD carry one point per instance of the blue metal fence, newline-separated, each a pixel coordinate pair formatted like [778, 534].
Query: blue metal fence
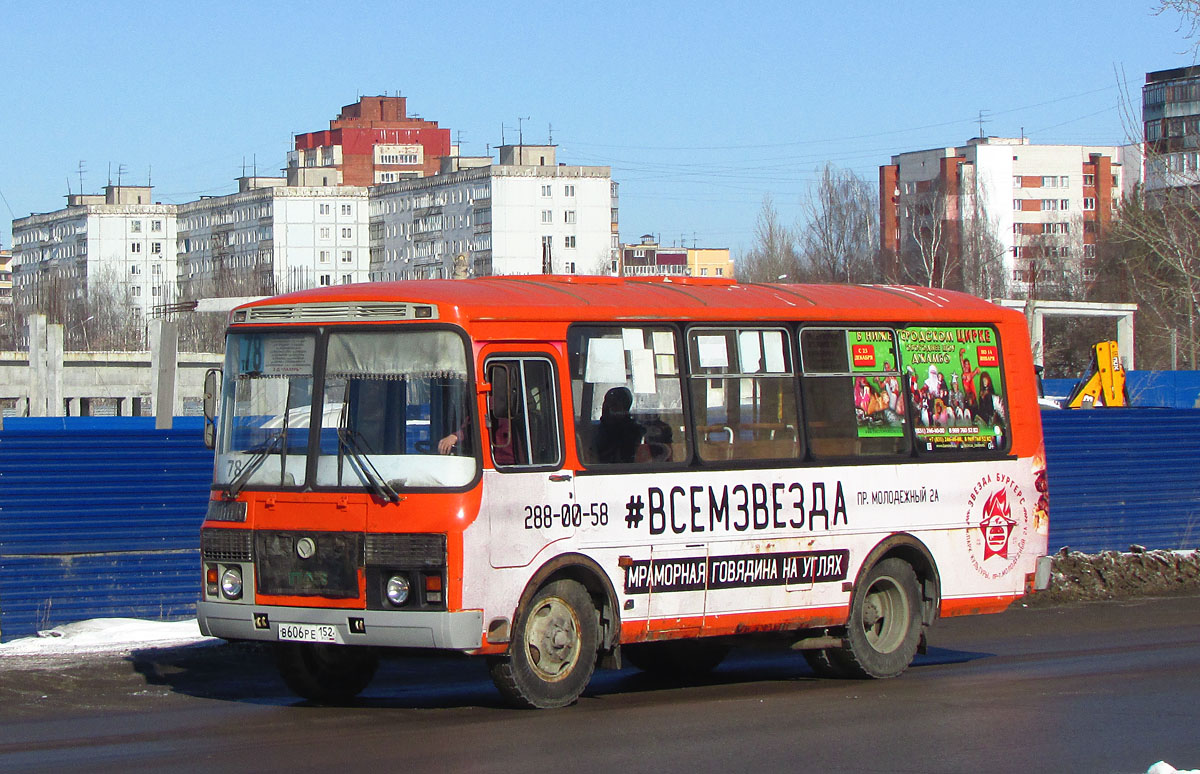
[101, 517]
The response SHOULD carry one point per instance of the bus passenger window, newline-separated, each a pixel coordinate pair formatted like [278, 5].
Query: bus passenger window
[853, 398]
[743, 393]
[523, 413]
[626, 390]
[955, 387]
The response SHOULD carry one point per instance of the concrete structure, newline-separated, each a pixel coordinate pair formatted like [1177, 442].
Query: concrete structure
[535, 217]
[119, 238]
[647, 257]
[48, 381]
[371, 141]
[1044, 203]
[1171, 122]
[272, 238]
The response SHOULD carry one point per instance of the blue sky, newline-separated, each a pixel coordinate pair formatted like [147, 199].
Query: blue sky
[700, 108]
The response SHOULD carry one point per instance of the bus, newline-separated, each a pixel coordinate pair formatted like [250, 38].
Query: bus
[565, 473]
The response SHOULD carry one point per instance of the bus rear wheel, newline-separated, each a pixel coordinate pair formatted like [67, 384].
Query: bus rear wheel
[326, 673]
[884, 630]
[554, 647]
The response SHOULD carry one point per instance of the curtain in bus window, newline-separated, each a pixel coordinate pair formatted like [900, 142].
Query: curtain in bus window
[743, 394]
[853, 396]
[627, 393]
[955, 387]
[395, 355]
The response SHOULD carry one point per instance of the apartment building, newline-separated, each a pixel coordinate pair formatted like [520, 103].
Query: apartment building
[1171, 124]
[272, 238]
[6, 277]
[526, 214]
[1044, 205]
[120, 240]
[370, 142]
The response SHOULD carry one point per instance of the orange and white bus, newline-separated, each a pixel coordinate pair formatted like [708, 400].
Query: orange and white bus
[564, 473]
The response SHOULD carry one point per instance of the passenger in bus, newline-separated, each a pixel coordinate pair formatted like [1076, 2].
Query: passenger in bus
[619, 434]
[656, 443]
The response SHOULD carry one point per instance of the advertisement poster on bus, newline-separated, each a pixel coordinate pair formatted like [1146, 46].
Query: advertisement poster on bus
[878, 399]
[954, 380]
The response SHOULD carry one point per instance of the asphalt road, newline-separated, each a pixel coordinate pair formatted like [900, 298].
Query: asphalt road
[1100, 687]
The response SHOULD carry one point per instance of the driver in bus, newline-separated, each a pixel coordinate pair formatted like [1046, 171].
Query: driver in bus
[619, 434]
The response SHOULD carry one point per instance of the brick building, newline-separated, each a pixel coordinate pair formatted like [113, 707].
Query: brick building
[372, 141]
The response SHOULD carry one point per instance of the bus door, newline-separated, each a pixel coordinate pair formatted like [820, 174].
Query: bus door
[529, 497]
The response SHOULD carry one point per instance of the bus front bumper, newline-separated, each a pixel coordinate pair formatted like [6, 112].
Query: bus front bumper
[461, 630]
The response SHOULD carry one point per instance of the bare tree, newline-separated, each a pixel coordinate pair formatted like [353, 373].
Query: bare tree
[928, 252]
[773, 256]
[839, 232]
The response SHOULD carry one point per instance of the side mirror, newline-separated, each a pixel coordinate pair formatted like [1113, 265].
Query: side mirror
[212, 388]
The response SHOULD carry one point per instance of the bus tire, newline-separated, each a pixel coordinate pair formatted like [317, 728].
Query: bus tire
[325, 673]
[884, 629]
[554, 648]
[676, 659]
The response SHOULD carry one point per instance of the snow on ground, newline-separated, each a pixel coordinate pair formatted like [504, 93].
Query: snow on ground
[105, 635]
[1165, 768]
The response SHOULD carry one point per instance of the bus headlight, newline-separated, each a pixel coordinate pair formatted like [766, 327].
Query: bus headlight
[397, 590]
[231, 583]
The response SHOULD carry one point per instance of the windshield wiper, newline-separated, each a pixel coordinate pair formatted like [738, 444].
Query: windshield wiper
[364, 469]
[260, 456]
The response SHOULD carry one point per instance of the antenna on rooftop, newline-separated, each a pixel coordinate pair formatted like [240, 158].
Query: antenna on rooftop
[981, 119]
[549, 134]
[80, 170]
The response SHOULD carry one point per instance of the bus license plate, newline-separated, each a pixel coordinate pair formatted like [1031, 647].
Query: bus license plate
[308, 633]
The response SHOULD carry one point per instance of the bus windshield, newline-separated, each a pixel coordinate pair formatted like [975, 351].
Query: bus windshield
[389, 397]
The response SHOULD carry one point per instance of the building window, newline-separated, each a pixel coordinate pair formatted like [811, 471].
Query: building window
[1064, 182]
[1016, 181]
[345, 209]
[156, 290]
[324, 279]
[1049, 204]
[569, 241]
[135, 269]
[1089, 203]
[156, 269]
[324, 256]
[135, 291]
[136, 247]
[546, 189]
[1050, 182]
[135, 226]
[324, 232]
[156, 225]
[568, 190]
[1089, 251]
[1064, 204]
[1089, 181]
[156, 248]
[346, 233]
[1016, 204]
[347, 256]
[324, 209]
[569, 216]
[347, 279]
[547, 216]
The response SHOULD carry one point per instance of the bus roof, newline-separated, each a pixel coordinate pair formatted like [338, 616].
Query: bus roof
[596, 298]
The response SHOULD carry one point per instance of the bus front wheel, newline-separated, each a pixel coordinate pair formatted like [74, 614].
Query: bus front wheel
[884, 630]
[326, 673]
[553, 652]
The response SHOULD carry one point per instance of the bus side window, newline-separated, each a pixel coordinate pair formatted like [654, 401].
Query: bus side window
[853, 400]
[523, 413]
[627, 394]
[743, 394]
